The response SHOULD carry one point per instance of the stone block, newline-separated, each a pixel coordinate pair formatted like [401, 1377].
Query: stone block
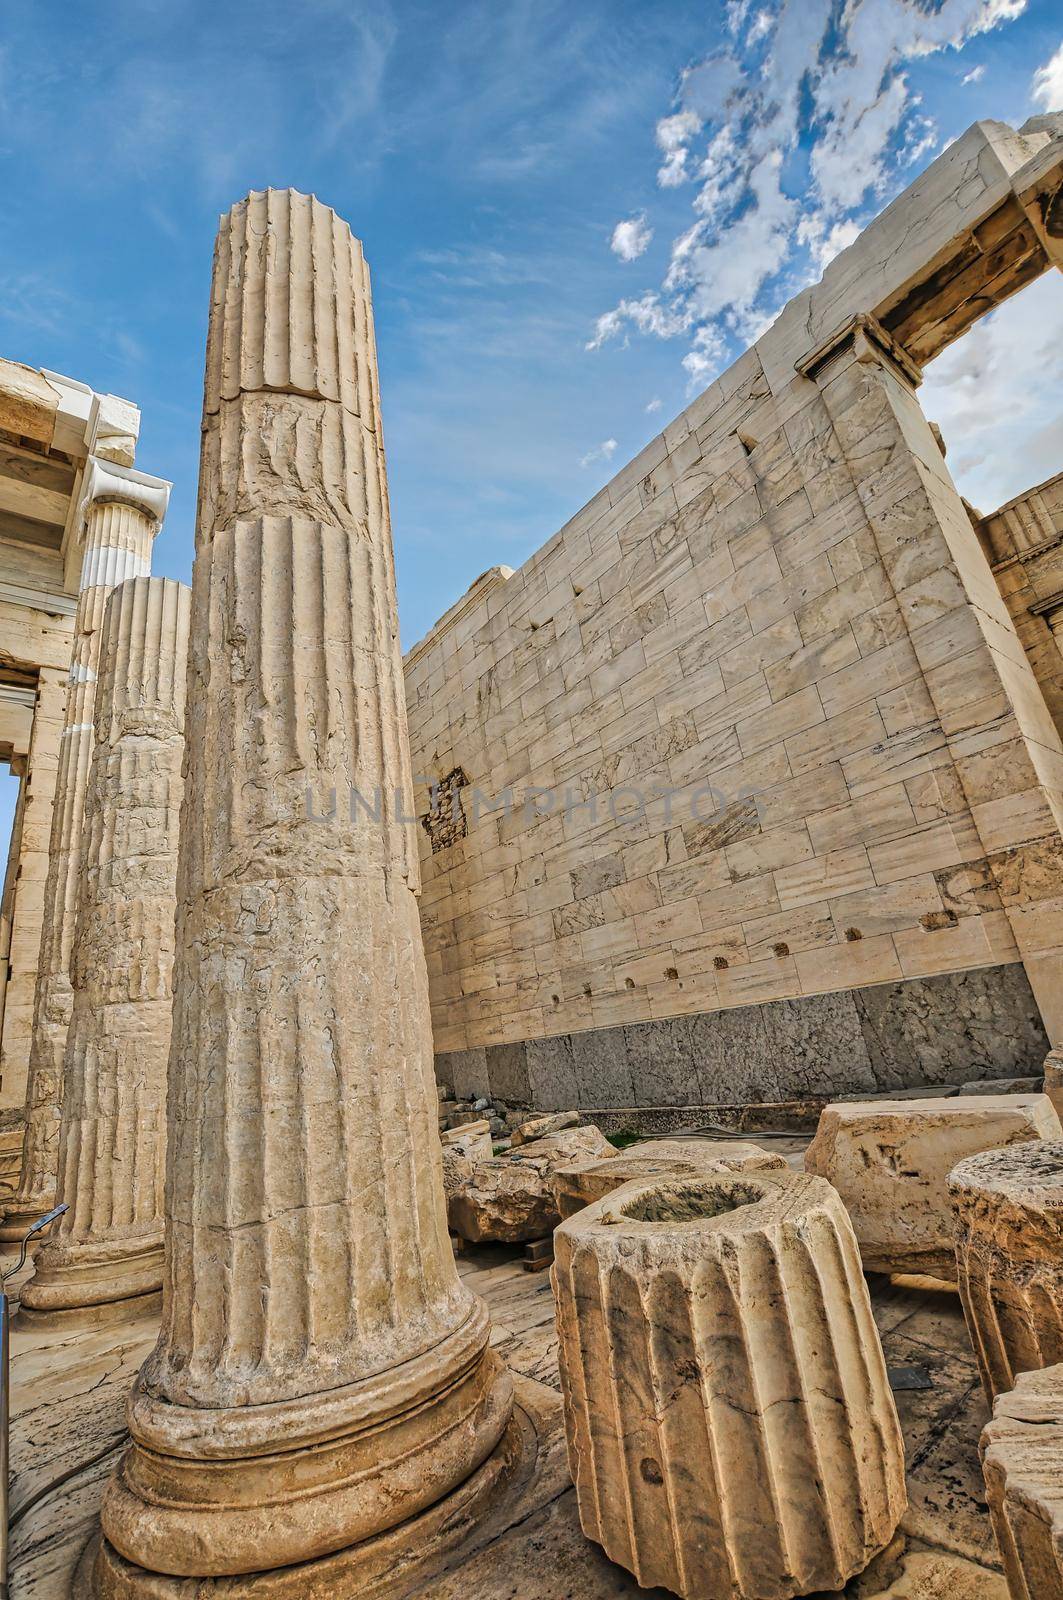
[507, 1072]
[730, 1425]
[1054, 1080]
[582, 1183]
[1022, 1460]
[1009, 1258]
[890, 1161]
[539, 1127]
[510, 1199]
[472, 1140]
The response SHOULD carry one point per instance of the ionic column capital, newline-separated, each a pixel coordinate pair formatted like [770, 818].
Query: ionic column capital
[106, 483]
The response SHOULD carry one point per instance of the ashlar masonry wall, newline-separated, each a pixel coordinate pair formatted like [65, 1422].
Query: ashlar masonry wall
[773, 748]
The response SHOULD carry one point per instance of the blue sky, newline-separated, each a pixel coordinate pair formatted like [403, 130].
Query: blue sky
[575, 216]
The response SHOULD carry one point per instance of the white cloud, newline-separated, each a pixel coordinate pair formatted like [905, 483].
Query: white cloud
[631, 238]
[648, 314]
[790, 75]
[602, 452]
[975, 75]
[997, 395]
[1047, 87]
[654, 405]
[704, 358]
[673, 138]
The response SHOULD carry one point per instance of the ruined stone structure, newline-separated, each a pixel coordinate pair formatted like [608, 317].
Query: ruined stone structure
[784, 784]
[121, 512]
[106, 1256]
[730, 1424]
[322, 1375]
[1009, 1258]
[584, 1182]
[890, 1161]
[52, 429]
[1022, 1457]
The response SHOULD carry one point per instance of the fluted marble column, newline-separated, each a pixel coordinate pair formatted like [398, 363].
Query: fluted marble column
[122, 512]
[322, 1373]
[107, 1255]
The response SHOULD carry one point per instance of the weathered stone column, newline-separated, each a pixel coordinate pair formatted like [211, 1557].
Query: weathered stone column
[322, 1373]
[123, 510]
[1009, 1258]
[107, 1254]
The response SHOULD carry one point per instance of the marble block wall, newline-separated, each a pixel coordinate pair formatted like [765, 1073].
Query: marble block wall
[751, 751]
[956, 1028]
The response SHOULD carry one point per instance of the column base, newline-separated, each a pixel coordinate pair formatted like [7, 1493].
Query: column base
[22, 1213]
[526, 1471]
[77, 1319]
[215, 1492]
[83, 1276]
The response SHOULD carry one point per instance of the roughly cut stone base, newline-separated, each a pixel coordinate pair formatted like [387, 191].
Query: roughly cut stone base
[890, 1161]
[525, 1473]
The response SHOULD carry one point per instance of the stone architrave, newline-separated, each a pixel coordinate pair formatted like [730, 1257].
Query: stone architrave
[122, 513]
[106, 1256]
[1022, 1461]
[1009, 1258]
[890, 1161]
[730, 1425]
[322, 1374]
[584, 1182]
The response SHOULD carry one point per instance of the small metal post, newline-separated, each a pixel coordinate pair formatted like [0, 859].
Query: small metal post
[5, 1386]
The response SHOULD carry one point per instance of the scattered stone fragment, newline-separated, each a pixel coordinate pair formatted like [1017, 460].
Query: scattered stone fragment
[890, 1161]
[536, 1127]
[472, 1139]
[509, 1199]
[583, 1182]
[754, 1451]
[1009, 1258]
[1022, 1459]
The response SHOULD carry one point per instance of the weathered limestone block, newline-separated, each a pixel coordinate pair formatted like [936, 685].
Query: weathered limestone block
[108, 1252]
[472, 1140]
[730, 1425]
[1009, 1258]
[584, 1182]
[539, 1127]
[890, 1160]
[122, 514]
[1022, 1459]
[322, 1373]
[1054, 1080]
[510, 1199]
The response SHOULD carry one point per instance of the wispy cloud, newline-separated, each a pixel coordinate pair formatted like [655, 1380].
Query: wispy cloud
[995, 394]
[795, 78]
[654, 405]
[1047, 87]
[601, 452]
[631, 238]
[975, 75]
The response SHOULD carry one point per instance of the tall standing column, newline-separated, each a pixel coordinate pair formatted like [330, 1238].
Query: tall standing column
[107, 1255]
[322, 1373]
[123, 510]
